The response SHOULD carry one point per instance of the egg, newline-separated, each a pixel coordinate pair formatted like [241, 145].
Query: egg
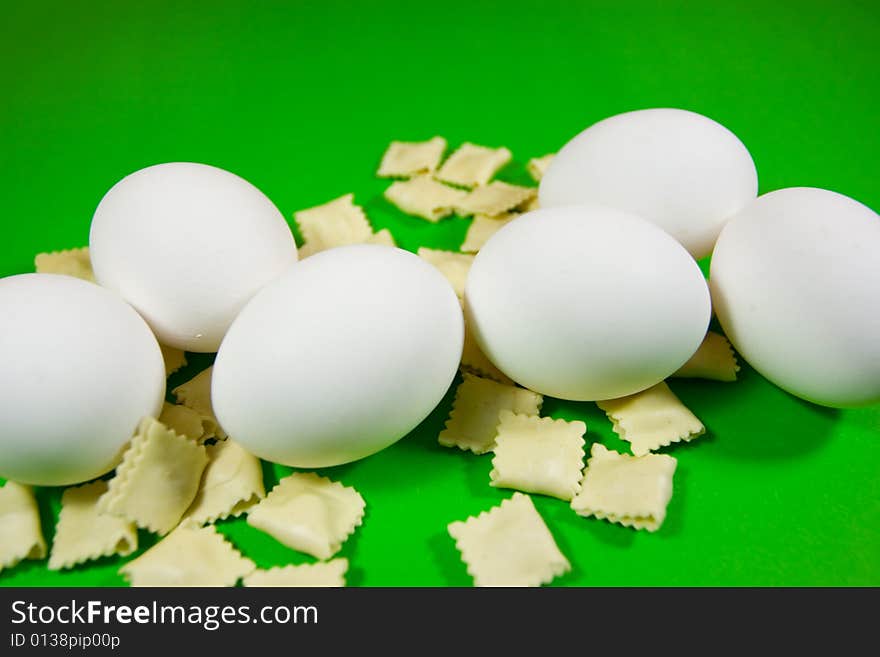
[678, 169]
[80, 369]
[340, 357]
[586, 302]
[188, 245]
[795, 280]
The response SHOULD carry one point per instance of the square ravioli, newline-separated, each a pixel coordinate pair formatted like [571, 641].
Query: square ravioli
[424, 197]
[631, 490]
[482, 228]
[184, 421]
[473, 423]
[473, 165]
[336, 223]
[309, 513]
[72, 262]
[713, 360]
[454, 266]
[538, 166]
[189, 556]
[20, 534]
[157, 480]
[84, 532]
[231, 483]
[495, 198]
[652, 419]
[196, 394]
[474, 361]
[324, 573]
[405, 159]
[538, 455]
[174, 359]
[509, 545]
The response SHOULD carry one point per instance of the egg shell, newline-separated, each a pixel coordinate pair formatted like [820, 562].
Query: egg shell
[586, 302]
[795, 279]
[188, 245]
[340, 357]
[80, 368]
[678, 169]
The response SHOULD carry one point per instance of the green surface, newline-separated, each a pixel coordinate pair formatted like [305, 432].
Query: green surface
[302, 98]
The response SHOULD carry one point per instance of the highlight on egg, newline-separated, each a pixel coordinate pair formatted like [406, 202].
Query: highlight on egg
[586, 302]
[678, 169]
[188, 245]
[80, 370]
[340, 357]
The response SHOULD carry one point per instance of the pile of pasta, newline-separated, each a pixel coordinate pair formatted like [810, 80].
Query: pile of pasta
[181, 473]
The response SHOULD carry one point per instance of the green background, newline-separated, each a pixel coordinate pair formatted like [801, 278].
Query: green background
[301, 98]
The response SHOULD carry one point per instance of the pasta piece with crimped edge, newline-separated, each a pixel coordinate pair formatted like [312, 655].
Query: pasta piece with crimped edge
[196, 394]
[538, 166]
[482, 228]
[495, 198]
[309, 513]
[473, 165]
[633, 491]
[405, 159]
[189, 556]
[157, 479]
[474, 361]
[424, 197]
[174, 359]
[473, 423]
[538, 455]
[231, 483]
[713, 360]
[531, 204]
[324, 573]
[20, 534]
[509, 545]
[72, 262]
[382, 237]
[336, 223]
[454, 266]
[185, 421]
[652, 419]
[84, 533]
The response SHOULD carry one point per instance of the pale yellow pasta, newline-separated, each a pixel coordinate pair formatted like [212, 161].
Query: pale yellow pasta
[473, 423]
[382, 237]
[538, 455]
[652, 419]
[20, 534]
[309, 513]
[405, 159]
[473, 165]
[336, 223]
[424, 197]
[713, 360]
[538, 166]
[474, 361]
[231, 483]
[531, 204]
[454, 266]
[84, 532]
[157, 479]
[630, 490]
[72, 262]
[327, 573]
[189, 556]
[174, 359]
[196, 394]
[185, 421]
[482, 228]
[509, 545]
[494, 199]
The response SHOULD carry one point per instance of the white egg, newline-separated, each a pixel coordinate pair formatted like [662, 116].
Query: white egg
[188, 245]
[340, 357]
[678, 169]
[586, 302]
[795, 280]
[80, 368]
